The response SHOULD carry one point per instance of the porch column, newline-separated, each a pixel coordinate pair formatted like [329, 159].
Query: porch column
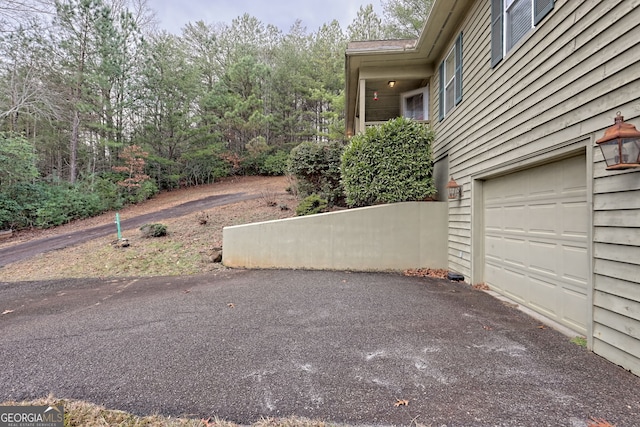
[362, 96]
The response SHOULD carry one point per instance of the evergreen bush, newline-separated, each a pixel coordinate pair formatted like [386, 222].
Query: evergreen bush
[311, 205]
[272, 162]
[389, 163]
[153, 230]
[8, 212]
[316, 167]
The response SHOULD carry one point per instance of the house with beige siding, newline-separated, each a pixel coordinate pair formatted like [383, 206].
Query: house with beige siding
[518, 92]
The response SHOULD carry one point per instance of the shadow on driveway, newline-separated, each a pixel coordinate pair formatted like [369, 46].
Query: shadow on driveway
[334, 346]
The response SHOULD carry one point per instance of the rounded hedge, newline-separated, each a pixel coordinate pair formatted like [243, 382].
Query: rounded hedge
[389, 163]
[316, 167]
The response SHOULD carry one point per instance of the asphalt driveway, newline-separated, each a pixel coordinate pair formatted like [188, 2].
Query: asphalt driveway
[334, 346]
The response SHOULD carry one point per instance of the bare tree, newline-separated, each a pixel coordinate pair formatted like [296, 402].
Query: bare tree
[405, 18]
[144, 17]
[24, 56]
[15, 14]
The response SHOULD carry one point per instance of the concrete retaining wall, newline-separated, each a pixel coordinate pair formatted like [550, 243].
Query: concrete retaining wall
[397, 236]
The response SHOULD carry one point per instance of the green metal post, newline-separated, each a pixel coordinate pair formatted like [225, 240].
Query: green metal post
[118, 225]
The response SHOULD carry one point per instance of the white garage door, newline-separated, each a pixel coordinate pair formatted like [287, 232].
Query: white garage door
[536, 239]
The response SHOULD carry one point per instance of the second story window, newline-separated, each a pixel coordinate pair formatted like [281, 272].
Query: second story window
[511, 20]
[518, 20]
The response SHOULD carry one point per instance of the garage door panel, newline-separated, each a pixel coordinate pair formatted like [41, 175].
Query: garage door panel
[575, 264]
[574, 306]
[536, 239]
[574, 175]
[514, 218]
[543, 296]
[542, 182]
[575, 222]
[548, 192]
[492, 273]
[539, 259]
[493, 218]
[494, 248]
[539, 222]
[514, 252]
[510, 287]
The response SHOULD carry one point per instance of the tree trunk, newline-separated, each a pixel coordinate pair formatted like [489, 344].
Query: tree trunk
[73, 157]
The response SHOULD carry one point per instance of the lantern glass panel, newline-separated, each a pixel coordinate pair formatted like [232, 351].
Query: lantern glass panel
[611, 152]
[454, 192]
[630, 150]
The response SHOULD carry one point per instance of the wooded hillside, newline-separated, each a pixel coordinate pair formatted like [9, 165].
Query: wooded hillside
[81, 80]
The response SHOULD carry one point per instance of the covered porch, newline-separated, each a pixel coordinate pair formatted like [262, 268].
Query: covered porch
[382, 90]
[386, 79]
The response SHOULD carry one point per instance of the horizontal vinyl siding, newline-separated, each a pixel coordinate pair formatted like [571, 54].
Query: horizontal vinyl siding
[616, 251]
[563, 82]
[460, 210]
[538, 97]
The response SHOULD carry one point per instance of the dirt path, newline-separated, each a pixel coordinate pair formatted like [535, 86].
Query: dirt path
[31, 248]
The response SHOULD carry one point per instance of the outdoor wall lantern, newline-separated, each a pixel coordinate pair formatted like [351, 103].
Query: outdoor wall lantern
[454, 189]
[392, 83]
[620, 145]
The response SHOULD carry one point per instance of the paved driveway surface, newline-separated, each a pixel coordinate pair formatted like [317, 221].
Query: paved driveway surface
[334, 346]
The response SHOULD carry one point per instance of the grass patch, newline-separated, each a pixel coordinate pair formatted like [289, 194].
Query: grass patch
[79, 413]
[581, 341]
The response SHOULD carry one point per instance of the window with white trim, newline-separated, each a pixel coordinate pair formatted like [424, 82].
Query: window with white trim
[511, 20]
[415, 104]
[450, 90]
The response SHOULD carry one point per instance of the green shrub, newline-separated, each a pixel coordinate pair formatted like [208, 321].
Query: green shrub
[270, 163]
[147, 190]
[65, 203]
[27, 198]
[17, 160]
[389, 163]
[274, 164]
[316, 167]
[203, 166]
[45, 204]
[311, 205]
[153, 230]
[8, 212]
[108, 191]
[165, 172]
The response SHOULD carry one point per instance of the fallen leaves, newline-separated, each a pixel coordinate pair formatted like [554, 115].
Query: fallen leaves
[599, 422]
[481, 286]
[436, 273]
[231, 305]
[401, 402]
[509, 304]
